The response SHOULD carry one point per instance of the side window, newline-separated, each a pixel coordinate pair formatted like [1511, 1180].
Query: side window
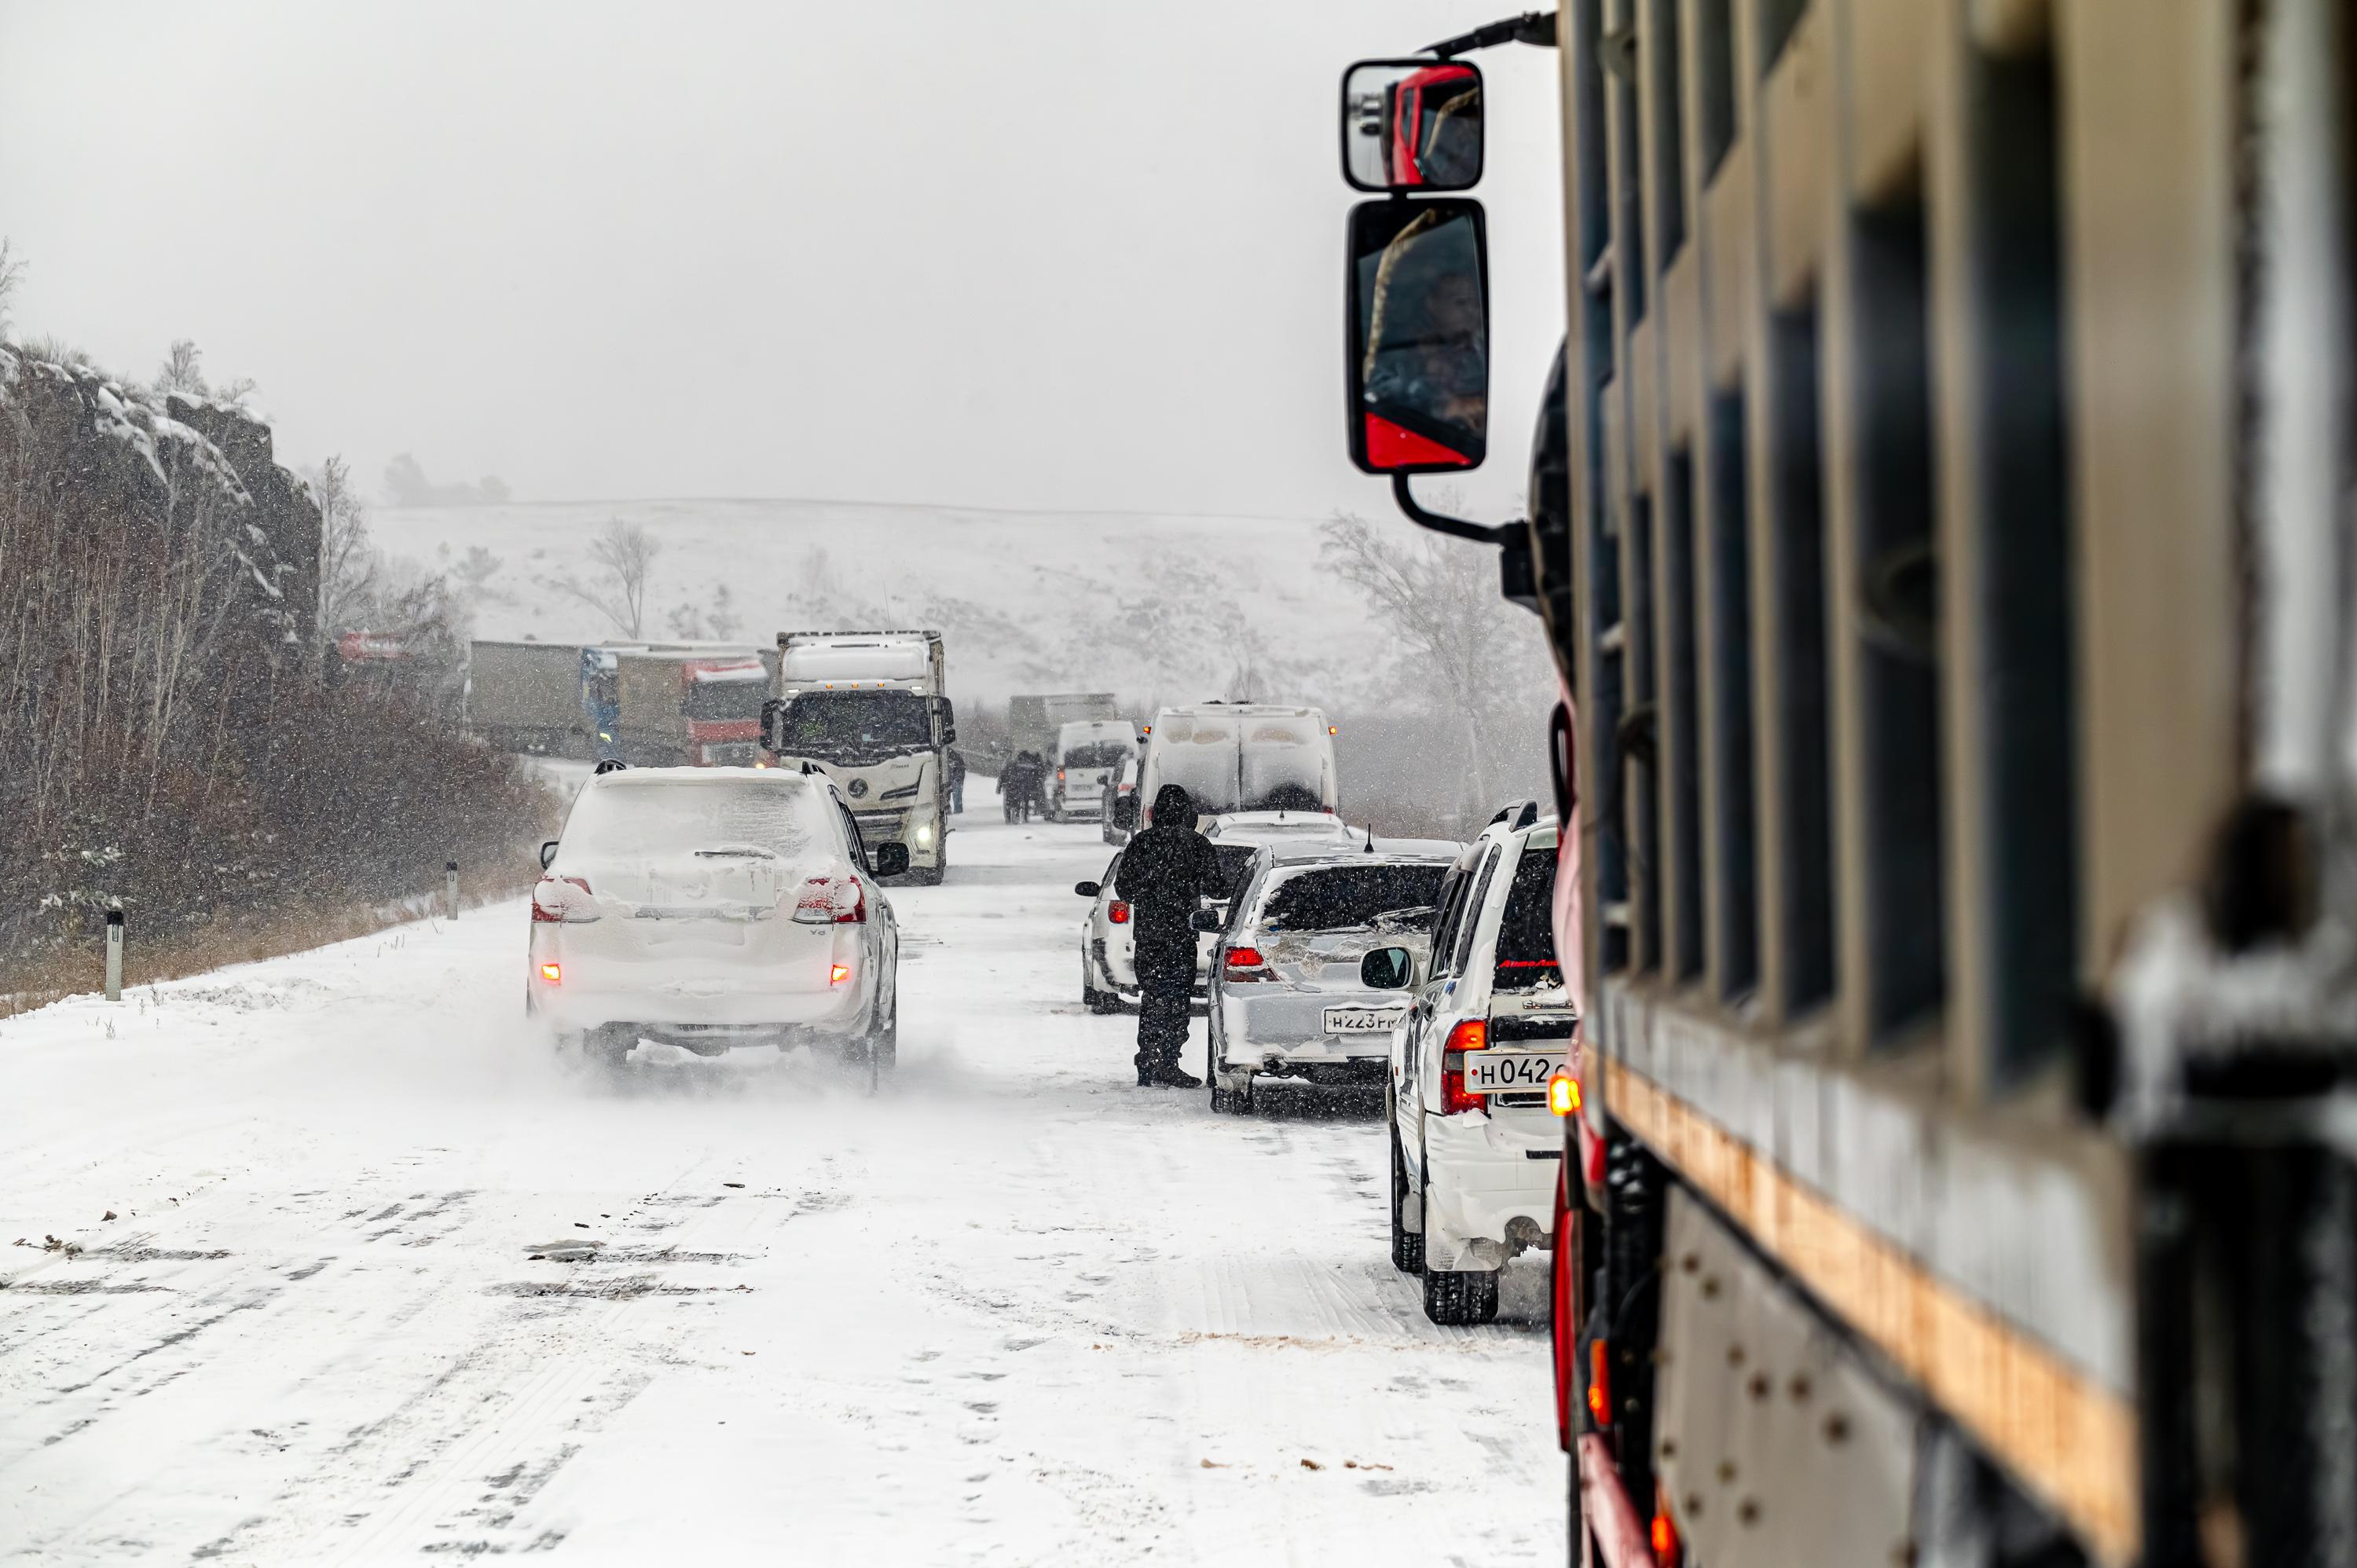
[1470, 920]
[1455, 915]
[857, 845]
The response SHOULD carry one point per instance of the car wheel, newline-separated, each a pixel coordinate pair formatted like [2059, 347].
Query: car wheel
[1407, 1246]
[608, 1047]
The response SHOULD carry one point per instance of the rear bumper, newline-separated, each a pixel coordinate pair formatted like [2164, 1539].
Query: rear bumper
[580, 1004]
[1275, 1028]
[1483, 1175]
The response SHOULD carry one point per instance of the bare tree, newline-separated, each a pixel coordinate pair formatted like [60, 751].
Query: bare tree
[1456, 645]
[183, 370]
[347, 564]
[12, 277]
[625, 554]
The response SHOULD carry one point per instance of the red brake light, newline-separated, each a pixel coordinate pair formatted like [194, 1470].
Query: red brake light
[553, 904]
[832, 901]
[1246, 964]
[1060, 776]
[1455, 1088]
[1118, 912]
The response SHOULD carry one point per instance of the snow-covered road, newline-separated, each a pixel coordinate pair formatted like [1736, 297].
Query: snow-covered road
[1015, 1310]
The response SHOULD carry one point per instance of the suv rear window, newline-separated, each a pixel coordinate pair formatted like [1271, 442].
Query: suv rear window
[645, 817]
[1526, 929]
[1340, 896]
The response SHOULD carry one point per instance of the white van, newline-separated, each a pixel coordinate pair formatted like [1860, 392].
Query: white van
[1088, 753]
[1241, 757]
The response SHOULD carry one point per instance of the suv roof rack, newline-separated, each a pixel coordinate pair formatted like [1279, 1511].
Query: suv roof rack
[1525, 813]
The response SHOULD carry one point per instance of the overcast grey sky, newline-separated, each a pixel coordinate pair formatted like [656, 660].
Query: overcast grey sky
[1051, 253]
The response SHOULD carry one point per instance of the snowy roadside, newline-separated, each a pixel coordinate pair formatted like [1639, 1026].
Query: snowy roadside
[1015, 1311]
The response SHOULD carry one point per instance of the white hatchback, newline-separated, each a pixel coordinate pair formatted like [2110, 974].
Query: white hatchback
[714, 907]
[1475, 1150]
[1109, 941]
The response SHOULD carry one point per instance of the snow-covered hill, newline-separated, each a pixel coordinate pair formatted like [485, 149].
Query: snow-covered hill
[1171, 608]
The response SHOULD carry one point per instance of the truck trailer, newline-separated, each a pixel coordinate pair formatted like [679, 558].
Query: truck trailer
[688, 707]
[1939, 519]
[526, 697]
[868, 710]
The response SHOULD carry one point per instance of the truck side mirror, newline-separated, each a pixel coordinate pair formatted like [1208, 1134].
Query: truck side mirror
[1419, 336]
[890, 858]
[773, 726]
[946, 712]
[1411, 124]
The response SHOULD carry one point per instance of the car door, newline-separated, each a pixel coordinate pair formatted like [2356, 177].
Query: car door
[882, 929]
[1412, 1063]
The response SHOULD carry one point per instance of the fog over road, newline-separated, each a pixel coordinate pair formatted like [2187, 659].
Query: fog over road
[1014, 1310]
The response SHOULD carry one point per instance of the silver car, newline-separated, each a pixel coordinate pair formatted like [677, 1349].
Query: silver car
[1285, 997]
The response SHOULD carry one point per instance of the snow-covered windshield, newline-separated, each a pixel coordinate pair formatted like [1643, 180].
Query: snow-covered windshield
[1199, 755]
[822, 722]
[1326, 898]
[619, 816]
[1102, 754]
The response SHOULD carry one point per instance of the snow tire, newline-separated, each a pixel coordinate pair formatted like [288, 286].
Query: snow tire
[1453, 1297]
[1407, 1246]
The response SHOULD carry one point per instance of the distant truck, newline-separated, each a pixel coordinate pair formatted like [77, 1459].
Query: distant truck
[526, 697]
[870, 710]
[1034, 723]
[685, 707]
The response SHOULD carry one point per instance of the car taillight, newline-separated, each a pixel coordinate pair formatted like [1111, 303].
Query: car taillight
[832, 901]
[1245, 964]
[1599, 1382]
[1668, 1552]
[1455, 1077]
[553, 973]
[1118, 912]
[1060, 776]
[554, 901]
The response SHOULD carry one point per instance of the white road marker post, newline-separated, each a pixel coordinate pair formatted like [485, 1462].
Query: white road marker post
[114, 955]
[450, 888]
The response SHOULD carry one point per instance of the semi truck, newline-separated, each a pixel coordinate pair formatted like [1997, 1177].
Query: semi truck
[868, 709]
[1938, 517]
[526, 697]
[687, 707]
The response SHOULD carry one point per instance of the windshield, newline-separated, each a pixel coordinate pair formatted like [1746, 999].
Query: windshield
[821, 722]
[1331, 898]
[642, 818]
[726, 700]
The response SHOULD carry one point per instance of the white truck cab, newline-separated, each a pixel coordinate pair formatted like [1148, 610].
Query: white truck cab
[867, 709]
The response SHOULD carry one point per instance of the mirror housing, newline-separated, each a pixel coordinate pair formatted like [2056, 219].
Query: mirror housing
[1205, 920]
[773, 726]
[547, 853]
[1088, 889]
[1411, 124]
[1125, 811]
[890, 858]
[1387, 969]
[1418, 370]
[945, 719]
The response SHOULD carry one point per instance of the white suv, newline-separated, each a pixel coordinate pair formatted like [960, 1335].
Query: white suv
[1475, 1150]
[710, 908]
[1109, 942]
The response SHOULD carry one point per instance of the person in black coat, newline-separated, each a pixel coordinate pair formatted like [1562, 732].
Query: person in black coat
[1165, 874]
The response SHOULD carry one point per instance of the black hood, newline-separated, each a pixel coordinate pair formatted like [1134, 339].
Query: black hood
[1174, 808]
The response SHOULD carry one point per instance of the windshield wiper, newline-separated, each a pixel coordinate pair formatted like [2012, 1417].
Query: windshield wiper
[754, 850]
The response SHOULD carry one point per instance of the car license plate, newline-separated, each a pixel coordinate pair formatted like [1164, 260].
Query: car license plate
[1362, 1020]
[1510, 1072]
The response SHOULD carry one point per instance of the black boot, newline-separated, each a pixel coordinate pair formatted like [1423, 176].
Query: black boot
[1170, 1075]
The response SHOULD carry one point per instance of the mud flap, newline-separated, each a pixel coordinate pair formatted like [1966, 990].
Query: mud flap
[1773, 1442]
